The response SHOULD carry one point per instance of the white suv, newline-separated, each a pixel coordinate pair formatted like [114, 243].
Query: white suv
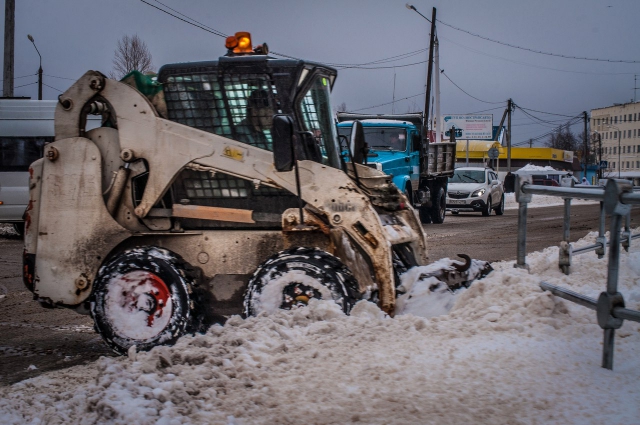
[475, 189]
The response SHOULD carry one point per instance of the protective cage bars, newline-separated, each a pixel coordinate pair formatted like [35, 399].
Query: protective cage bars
[616, 199]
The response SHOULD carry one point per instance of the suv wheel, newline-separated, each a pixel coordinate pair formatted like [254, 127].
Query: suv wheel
[500, 208]
[487, 208]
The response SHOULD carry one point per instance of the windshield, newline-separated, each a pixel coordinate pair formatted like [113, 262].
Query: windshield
[315, 110]
[381, 138]
[468, 176]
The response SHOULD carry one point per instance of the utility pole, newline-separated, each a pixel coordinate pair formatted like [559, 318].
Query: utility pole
[9, 31]
[509, 106]
[530, 143]
[436, 81]
[430, 70]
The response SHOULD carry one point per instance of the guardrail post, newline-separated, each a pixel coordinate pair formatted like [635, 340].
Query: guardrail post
[564, 253]
[626, 235]
[601, 239]
[612, 298]
[523, 199]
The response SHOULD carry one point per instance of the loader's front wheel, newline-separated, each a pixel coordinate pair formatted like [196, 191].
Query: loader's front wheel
[292, 277]
[142, 297]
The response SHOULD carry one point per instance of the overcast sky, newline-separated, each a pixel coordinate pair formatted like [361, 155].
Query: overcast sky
[74, 36]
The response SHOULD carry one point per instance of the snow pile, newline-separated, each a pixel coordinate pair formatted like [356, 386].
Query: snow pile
[531, 167]
[7, 230]
[506, 353]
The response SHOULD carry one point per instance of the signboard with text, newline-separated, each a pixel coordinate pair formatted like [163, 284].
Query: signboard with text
[476, 127]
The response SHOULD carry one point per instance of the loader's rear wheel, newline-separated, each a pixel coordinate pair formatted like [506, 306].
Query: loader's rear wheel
[292, 277]
[142, 297]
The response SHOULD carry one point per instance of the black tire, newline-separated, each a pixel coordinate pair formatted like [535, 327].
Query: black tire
[19, 229]
[439, 206]
[136, 287]
[486, 211]
[278, 279]
[408, 193]
[425, 214]
[500, 208]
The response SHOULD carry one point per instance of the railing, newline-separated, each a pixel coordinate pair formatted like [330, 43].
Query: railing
[616, 199]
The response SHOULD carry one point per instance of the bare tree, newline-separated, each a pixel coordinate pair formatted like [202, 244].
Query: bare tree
[563, 138]
[342, 107]
[131, 54]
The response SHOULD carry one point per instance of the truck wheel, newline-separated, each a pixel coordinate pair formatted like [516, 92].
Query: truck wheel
[19, 229]
[486, 211]
[141, 298]
[425, 214]
[408, 193]
[500, 208]
[438, 209]
[292, 277]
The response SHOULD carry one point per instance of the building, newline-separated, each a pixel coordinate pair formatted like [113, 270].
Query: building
[478, 155]
[617, 128]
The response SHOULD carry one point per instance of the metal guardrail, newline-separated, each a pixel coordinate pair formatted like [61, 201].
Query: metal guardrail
[616, 199]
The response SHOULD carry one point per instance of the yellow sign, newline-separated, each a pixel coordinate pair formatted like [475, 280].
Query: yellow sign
[233, 153]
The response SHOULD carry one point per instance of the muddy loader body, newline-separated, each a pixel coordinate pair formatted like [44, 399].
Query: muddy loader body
[186, 206]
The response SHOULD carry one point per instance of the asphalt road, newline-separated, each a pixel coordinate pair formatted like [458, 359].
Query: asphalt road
[34, 340]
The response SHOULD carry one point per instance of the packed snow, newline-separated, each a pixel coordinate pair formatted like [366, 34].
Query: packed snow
[501, 352]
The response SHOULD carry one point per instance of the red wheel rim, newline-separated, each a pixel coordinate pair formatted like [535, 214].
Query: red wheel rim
[139, 304]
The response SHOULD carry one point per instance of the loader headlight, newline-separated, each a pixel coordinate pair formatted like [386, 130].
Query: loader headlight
[478, 192]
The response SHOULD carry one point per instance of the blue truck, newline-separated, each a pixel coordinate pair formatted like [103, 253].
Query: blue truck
[400, 146]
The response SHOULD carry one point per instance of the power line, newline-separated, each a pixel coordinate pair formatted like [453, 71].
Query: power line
[62, 78]
[536, 51]
[532, 65]
[383, 67]
[61, 91]
[25, 85]
[460, 88]
[385, 60]
[194, 23]
[204, 27]
[542, 112]
[388, 103]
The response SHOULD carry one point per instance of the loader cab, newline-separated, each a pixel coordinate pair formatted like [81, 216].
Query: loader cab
[237, 97]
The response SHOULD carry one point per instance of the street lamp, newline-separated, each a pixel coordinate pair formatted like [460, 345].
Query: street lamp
[39, 69]
[619, 135]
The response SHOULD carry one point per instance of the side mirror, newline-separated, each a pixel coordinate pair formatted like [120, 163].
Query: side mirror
[357, 143]
[282, 134]
[495, 182]
[415, 142]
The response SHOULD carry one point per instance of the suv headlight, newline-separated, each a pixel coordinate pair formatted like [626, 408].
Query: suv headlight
[478, 192]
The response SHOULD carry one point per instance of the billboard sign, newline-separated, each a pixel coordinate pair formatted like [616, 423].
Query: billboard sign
[476, 127]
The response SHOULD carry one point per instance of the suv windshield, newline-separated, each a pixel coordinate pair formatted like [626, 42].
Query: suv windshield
[468, 176]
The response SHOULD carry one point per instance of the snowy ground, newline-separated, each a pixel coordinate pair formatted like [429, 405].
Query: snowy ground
[505, 353]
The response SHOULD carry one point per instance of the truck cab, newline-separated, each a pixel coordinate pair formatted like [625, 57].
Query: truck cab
[394, 148]
[400, 146]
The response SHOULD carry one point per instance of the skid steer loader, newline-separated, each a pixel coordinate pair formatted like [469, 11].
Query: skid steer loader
[218, 189]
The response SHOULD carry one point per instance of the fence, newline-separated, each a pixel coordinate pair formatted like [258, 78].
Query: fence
[616, 199]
